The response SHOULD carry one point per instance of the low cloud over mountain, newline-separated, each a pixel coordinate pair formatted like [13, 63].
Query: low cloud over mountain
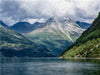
[12, 11]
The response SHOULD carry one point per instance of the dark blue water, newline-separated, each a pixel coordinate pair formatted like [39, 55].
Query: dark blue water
[49, 66]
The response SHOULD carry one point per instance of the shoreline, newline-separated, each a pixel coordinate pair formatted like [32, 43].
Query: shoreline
[77, 58]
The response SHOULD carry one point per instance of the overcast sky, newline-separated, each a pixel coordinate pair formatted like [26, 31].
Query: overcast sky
[12, 11]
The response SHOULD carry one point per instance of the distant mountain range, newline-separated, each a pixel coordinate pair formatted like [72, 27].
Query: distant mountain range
[54, 34]
[25, 27]
[13, 44]
[22, 27]
[3, 24]
[88, 44]
[83, 25]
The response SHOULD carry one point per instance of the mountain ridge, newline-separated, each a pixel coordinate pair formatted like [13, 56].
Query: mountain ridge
[83, 25]
[53, 34]
[88, 44]
[3, 24]
[13, 44]
[55, 31]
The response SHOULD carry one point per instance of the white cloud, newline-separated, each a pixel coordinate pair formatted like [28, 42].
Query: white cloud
[84, 10]
[35, 20]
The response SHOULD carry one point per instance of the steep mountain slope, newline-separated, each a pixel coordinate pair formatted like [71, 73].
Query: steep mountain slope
[56, 34]
[15, 44]
[83, 25]
[3, 24]
[88, 45]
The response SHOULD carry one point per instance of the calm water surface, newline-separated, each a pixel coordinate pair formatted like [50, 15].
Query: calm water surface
[49, 66]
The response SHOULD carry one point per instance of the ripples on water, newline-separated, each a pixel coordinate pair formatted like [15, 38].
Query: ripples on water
[49, 66]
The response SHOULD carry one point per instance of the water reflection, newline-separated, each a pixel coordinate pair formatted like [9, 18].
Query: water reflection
[49, 66]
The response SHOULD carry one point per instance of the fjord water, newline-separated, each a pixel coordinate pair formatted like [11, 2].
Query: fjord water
[49, 66]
